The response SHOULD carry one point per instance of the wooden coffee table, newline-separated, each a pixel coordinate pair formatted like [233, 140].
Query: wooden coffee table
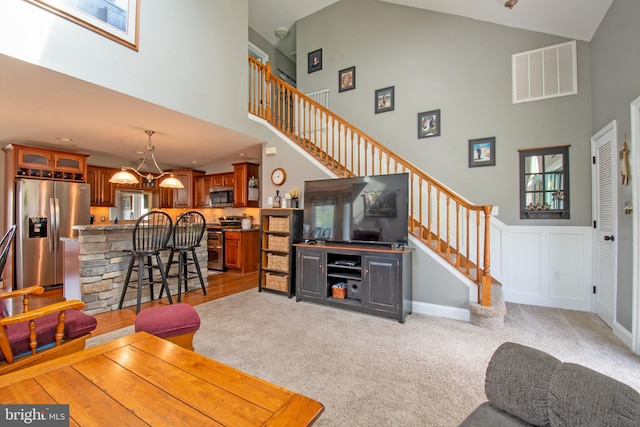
[144, 380]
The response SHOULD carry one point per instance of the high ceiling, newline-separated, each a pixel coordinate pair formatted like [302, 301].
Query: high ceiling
[574, 19]
[28, 91]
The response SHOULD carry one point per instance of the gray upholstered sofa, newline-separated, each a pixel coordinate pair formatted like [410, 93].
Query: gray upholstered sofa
[527, 387]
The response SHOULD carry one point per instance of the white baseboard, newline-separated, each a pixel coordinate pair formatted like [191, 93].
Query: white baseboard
[454, 313]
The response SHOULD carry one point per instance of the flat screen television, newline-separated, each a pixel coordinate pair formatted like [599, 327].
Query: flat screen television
[369, 210]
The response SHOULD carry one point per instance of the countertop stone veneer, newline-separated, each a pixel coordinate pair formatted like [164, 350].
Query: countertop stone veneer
[103, 266]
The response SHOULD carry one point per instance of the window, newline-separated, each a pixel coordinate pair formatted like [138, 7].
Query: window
[544, 183]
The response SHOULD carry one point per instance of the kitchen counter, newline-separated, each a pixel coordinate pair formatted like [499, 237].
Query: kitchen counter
[103, 263]
[101, 227]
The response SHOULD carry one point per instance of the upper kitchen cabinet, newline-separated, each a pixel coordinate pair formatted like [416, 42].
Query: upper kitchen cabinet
[103, 193]
[245, 197]
[204, 184]
[33, 162]
[185, 197]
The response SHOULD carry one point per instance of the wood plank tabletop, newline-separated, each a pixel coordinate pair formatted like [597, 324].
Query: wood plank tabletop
[144, 380]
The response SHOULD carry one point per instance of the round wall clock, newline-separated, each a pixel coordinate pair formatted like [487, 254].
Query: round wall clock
[278, 176]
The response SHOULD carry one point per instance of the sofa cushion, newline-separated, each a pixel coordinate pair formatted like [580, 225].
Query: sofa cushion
[579, 396]
[76, 324]
[517, 382]
[168, 320]
[486, 415]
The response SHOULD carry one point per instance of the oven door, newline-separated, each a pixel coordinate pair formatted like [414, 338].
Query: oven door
[215, 249]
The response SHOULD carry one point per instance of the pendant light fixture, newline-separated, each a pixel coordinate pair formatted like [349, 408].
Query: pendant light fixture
[125, 177]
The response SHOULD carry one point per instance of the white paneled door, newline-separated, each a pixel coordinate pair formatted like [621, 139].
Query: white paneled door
[605, 166]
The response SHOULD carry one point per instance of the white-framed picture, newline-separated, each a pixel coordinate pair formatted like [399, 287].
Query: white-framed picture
[114, 19]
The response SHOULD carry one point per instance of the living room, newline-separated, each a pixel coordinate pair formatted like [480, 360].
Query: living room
[455, 76]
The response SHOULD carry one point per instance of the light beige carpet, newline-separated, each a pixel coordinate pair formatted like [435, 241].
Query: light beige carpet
[371, 371]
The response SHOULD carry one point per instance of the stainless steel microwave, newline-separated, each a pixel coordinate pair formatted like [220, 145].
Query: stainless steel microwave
[220, 197]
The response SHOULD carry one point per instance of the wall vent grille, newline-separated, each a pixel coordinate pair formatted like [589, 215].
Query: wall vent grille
[544, 73]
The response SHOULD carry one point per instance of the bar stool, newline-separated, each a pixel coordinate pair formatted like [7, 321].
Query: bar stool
[150, 236]
[187, 235]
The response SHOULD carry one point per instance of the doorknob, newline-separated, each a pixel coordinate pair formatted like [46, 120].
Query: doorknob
[607, 238]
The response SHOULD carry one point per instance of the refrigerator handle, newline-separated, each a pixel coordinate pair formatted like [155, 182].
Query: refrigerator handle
[52, 224]
[57, 224]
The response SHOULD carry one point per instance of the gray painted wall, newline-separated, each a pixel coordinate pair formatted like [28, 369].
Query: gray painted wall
[615, 68]
[276, 58]
[462, 67]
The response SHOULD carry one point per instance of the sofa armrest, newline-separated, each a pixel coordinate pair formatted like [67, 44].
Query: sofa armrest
[517, 382]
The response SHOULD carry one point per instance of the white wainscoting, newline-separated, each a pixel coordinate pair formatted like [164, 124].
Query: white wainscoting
[543, 265]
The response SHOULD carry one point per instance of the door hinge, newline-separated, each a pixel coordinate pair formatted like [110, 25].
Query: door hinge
[593, 159]
[594, 290]
[594, 223]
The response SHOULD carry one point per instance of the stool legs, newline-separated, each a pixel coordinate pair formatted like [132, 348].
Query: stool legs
[183, 273]
[142, 260]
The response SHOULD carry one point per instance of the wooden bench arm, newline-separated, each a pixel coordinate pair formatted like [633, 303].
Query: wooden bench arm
[42, 311]
[20, 292]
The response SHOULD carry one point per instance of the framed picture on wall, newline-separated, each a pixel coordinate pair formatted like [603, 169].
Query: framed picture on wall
[347, 79]
[482, 152]
[126, 203]
[385, 100]
[429, 124]
[116, 20]
[314, 61]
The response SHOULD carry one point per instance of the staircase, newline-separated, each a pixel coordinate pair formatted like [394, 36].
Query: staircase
[450, 226]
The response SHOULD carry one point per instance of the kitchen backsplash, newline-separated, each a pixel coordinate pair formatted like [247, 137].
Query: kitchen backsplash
[101, 214]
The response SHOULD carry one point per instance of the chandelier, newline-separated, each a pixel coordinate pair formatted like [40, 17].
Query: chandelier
[125, 177]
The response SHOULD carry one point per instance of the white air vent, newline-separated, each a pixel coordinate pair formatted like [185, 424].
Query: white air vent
[545, 73]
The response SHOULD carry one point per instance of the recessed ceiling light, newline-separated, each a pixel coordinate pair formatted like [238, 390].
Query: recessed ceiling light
[195, 162]
[241, 154]
[64, 139]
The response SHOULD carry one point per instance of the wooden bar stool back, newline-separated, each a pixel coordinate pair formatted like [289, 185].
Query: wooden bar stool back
[187, 236]
[150, 237]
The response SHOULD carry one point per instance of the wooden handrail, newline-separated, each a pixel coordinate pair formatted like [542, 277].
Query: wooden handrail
[455, 229]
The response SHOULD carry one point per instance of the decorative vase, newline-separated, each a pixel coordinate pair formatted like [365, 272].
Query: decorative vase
[295, 203]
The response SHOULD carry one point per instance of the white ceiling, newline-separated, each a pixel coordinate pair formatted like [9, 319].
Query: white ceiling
[574, 19]
[98, 121]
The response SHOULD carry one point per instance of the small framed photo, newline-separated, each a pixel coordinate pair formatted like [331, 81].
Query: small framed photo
[482, 152]
[315, 61]
[429, 124]
[126, 203]
[347, 79]
[385, 99]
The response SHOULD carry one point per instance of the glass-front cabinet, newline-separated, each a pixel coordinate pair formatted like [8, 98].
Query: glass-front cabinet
[544, 183]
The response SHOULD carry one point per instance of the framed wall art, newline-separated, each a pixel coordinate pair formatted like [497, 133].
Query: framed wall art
[314, 61]
[482, 152]
[385, 100]
[347, 79]
[429, 124]
[114, 19]
[126, 203]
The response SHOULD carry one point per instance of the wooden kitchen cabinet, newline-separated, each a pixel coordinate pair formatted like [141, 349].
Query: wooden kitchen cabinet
[34, 162]
[222, 180]
[241, 250]
[185, 197]
[103, 193]
[243, 196]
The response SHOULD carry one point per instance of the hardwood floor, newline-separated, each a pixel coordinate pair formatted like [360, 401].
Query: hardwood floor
[219, 285]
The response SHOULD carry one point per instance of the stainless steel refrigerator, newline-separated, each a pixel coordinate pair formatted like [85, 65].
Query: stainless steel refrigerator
[45, 211]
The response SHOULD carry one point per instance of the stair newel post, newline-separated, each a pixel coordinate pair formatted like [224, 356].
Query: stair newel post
[486, 271]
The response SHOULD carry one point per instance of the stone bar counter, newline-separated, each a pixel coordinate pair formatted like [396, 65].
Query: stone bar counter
[103, 267]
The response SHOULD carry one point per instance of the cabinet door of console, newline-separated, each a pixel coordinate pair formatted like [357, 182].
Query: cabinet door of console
[310, 274]
[381, 276]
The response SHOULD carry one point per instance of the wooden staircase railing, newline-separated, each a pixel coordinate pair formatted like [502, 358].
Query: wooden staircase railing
[455, 229]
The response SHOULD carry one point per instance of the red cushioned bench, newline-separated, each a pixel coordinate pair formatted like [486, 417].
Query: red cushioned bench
[177, 323]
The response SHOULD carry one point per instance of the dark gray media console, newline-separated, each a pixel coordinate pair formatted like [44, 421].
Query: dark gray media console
[378, 280]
